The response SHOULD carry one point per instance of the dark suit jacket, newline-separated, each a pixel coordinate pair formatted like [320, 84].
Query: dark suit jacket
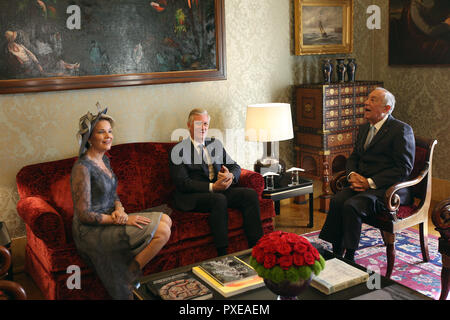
[191, 175]
[388, 159]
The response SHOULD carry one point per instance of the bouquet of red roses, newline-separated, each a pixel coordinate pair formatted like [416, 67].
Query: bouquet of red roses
[282, 256]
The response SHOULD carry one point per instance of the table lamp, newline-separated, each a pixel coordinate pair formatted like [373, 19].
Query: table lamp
[268, 123]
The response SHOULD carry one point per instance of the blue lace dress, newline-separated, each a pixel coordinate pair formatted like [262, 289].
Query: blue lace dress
[109, 249]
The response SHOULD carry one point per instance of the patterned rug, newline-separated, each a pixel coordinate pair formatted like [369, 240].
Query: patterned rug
[409, 269]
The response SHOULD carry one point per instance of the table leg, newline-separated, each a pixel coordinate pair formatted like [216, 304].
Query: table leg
[277, 207]
[311, 210]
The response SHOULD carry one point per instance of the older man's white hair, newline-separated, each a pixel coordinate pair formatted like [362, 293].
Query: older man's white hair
[389, 98]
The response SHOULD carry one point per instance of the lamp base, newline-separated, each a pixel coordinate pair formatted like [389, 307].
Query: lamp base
[269, 165]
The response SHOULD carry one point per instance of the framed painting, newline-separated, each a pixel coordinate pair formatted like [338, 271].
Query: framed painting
[48, 45]
[323, 26]
[419, 32]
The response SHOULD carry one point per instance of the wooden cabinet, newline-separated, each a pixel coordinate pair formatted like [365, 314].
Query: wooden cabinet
[327, 117]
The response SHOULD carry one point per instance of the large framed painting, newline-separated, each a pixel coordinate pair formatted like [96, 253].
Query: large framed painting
[419, 32]
[48, 45]
[323, 26]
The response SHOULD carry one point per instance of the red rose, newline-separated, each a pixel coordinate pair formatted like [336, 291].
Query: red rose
[315, 253]
[304, 240]
[283, 247]
[258, 254]
[309, 258]
[298, 258]
[300, 247]
[285, 262]
[269, 261]
[275, 235]
[291, 237]
[268, 246]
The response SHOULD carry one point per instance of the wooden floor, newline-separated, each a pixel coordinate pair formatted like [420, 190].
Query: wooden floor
[293, 218]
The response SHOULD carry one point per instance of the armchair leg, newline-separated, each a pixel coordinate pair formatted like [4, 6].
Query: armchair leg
[423, 228]
[445, 272]
[389, 240]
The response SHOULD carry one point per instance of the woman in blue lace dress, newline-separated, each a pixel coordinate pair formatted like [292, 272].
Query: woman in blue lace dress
[116, 244]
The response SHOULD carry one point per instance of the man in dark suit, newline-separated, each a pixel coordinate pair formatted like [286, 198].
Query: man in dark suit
[382, 156]
[206, 179]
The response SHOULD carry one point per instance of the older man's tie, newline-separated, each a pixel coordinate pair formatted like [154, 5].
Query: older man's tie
[370, 136]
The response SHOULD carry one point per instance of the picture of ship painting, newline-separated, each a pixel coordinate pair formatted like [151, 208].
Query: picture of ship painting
[322, 25]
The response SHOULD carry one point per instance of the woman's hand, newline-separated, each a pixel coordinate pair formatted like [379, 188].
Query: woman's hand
[138, 221]
[119, 216]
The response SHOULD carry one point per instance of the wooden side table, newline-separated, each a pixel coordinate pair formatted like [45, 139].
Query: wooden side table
[284, 191]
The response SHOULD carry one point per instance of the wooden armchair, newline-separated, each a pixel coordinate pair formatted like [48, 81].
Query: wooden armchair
[441, 221]
[399, 217]
[9, 290]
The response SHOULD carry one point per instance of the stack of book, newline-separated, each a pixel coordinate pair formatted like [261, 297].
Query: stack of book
[338, 276]
[228, 275]
[181, 286]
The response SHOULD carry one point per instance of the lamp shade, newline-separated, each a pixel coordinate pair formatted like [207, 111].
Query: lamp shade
[268, 122]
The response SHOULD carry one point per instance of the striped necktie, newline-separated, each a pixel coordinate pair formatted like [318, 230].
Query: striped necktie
[370, 136]
[207, 160]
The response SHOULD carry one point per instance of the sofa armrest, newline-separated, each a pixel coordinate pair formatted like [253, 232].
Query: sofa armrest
[252, 179]
[43, 220]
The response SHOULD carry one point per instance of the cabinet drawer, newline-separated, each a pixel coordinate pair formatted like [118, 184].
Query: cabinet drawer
[331, 91]
[332, 124]
[359, 110]
[360, 120]
[347, 122]
[345, 112]
[361, 89]
[347, 90]
[333, 102]
[332, 113]
[340, 139]
[347, 101]
[360, 99]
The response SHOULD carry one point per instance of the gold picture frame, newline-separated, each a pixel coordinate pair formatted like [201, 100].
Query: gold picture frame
[323, 26]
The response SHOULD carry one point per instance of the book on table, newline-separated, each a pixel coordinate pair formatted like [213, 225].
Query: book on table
[338, 275]
[181, 286]
[228, 275]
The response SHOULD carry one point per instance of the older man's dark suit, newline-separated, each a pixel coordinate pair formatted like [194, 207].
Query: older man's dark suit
[191, 178]
[388, 159]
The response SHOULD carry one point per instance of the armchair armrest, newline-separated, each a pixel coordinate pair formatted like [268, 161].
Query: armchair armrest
[11, 290]
[5, 260]
[252, 179]
[392, 200]
[337, 183]
[43, 220]
[440, 217]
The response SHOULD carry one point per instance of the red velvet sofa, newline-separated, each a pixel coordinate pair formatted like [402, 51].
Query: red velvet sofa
[144, 182]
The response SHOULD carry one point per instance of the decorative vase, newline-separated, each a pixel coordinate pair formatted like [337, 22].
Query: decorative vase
[327, 70]
[351, 69]
[287, 290]
[340, 68]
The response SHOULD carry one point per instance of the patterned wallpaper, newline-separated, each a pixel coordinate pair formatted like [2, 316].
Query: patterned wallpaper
[421, 92]
[41, 127]
[261, 67]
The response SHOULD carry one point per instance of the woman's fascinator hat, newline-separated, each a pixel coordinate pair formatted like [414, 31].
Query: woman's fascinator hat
[87, 124]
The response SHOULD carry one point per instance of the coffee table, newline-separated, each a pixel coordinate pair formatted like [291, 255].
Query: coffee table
[263, 293]
[284, 191]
